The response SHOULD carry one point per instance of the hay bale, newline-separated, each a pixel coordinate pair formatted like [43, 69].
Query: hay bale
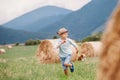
[48, 53]
[2, 51]
[109, 68]
[90, 48]
[9, 46]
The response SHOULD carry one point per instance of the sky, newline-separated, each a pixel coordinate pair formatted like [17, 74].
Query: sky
[10, 9]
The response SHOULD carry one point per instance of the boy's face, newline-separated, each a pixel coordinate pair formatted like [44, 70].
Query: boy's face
[64, 35]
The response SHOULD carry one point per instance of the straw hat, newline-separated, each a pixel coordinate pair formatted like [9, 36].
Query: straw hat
[61, 31]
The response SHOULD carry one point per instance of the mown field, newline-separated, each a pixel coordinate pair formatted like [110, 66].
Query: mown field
[20, 63]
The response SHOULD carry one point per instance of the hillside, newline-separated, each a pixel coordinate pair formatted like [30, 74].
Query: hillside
[37, 19]
[12, 36]
[83, 22]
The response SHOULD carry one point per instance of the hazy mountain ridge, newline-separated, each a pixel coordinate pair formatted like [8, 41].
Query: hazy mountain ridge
[44, 16]
[12, 36]
[83, 22]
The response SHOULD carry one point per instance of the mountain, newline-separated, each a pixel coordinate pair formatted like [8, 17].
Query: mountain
[37, 19]
[12, 36]
[83, 22]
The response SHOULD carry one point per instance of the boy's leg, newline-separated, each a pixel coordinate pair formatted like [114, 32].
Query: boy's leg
[72, 68]
[67, 62]
[66, 72]
[63, 66]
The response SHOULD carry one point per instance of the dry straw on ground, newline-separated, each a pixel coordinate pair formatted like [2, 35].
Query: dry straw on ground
[47, 52]
[90, 49]
[109, 68]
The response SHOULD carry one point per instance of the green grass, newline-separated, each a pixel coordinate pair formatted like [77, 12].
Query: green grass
[20, 63]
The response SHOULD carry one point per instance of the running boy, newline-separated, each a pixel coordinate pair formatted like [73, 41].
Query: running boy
[65, 50]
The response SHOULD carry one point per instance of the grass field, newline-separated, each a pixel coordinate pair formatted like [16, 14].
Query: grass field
[20, 63]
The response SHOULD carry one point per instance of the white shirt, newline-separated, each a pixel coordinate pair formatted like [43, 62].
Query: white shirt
[65, 48]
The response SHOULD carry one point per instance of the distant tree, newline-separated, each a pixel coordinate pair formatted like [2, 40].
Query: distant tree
[28, 42]
[93, 37]
[17, 44]
[55, 37]
[32, 42]
[38, 41]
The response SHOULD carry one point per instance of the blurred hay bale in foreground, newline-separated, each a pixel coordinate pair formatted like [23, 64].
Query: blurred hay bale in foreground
[109, 68]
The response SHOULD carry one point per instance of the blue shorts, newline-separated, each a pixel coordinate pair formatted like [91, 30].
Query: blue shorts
[66, 60]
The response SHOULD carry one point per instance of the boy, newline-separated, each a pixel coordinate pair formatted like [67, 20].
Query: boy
[65, 50]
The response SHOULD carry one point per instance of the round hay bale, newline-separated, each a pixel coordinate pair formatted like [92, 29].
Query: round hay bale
[109, 67]
[2, 51]
[9, 46]
[48, 53]
[90, 49]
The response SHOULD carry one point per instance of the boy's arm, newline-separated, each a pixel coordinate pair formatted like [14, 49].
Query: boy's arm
[61, 44]
[74, 45]
[76, 50]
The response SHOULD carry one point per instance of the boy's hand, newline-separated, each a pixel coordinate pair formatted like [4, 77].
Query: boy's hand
[63, 42]
[76, 50]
